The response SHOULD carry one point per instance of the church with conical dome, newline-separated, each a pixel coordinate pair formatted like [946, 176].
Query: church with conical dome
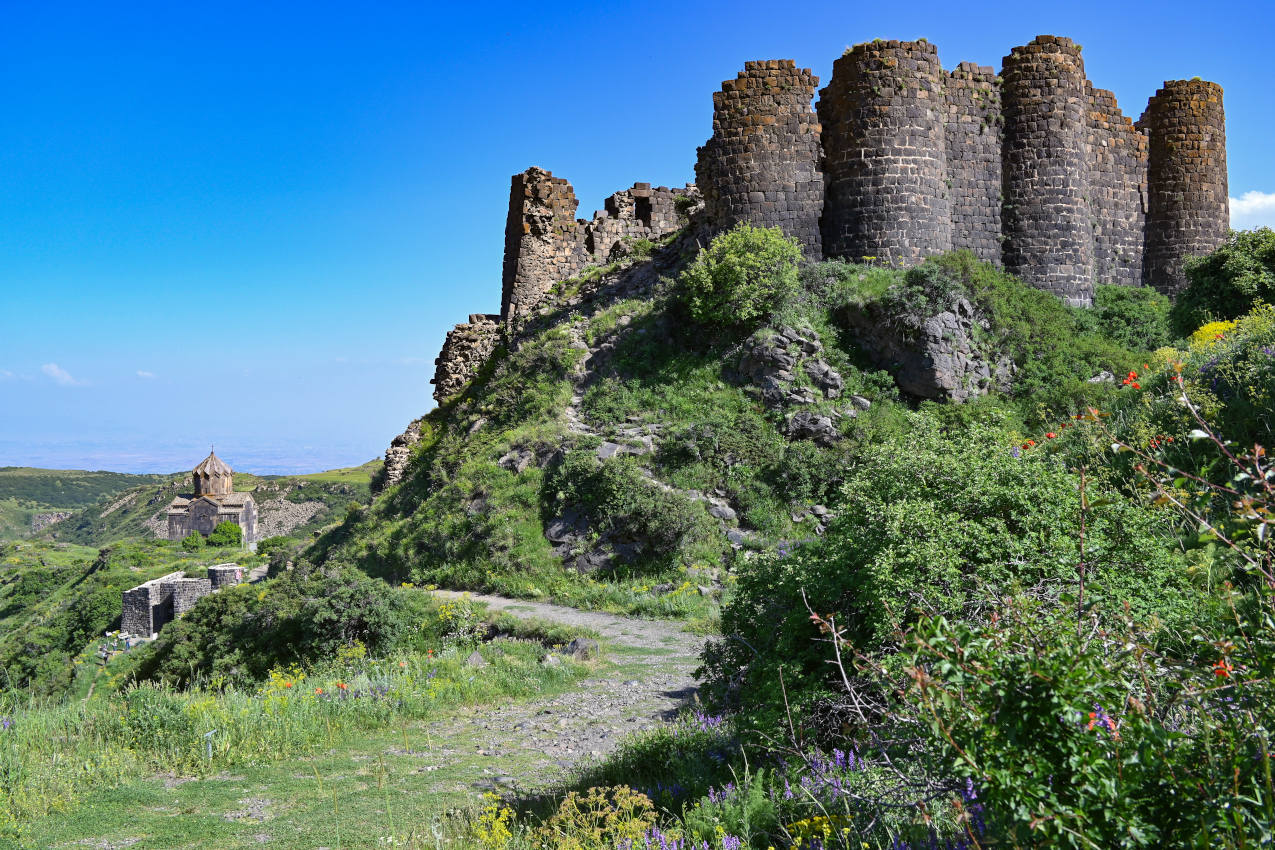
[214, 501]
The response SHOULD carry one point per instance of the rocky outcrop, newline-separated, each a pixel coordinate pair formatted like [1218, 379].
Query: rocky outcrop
[775, 361]
[39, 522]
[397, 456]
[933, 357]
[465, 351]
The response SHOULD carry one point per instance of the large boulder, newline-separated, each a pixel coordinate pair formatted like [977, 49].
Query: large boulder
[938, 356]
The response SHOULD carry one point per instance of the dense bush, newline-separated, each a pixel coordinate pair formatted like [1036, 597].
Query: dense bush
[226, 534]
[741, 276]
[1135, 317]
[1229, 282]
[1097, 740]
[1229, 370]
[193, 542]
[239, 634]
[942, 525]
[625, 507]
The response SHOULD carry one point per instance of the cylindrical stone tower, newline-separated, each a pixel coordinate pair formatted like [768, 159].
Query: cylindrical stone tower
[1046, 217]
[1189, 211]
[974, 159]
[884, 141]
[762, 163]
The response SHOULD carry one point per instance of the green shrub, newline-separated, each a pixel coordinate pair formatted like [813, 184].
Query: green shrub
[242, 632]
[667, 528]
[741, 276]
[225, 535]
[1096, 740]
[942, 525]
[1135, 317]
[193, 542]
[270, 545]
[1229, 282]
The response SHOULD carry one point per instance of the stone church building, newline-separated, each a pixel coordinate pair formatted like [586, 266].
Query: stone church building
[214, 501]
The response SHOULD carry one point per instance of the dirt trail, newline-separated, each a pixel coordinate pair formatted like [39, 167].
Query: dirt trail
[529, 742]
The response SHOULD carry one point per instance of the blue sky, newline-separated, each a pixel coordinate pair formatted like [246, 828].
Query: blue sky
[252, 224]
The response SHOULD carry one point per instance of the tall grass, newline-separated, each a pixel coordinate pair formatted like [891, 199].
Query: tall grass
[51, 753]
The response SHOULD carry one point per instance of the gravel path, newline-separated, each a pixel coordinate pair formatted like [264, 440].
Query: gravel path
[529, 742]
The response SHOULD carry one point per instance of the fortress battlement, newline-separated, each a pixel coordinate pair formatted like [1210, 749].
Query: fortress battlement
[1032, 169]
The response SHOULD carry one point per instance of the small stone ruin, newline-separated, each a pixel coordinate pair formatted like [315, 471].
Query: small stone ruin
[152, 605]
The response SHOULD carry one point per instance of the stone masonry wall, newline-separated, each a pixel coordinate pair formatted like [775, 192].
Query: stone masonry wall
[762, 163]
[642, 212]
[1049, 234]
[542, 242]
[1117, 190]
[149, 606]
[1189, 209]
[885, 154]
[186, 592]
[545, 242]
[466, 349]
[225, 575]
[974, 139]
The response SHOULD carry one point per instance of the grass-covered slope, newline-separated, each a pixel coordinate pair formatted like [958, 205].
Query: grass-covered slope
[625, 451]
[292, 505]
[27, 491]
[57, 597]
[66, 488]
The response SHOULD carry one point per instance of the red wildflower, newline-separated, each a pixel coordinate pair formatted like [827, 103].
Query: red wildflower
[1222, 669]
[287, 684]
[1050, 435]
[318, 690]
[342, 685]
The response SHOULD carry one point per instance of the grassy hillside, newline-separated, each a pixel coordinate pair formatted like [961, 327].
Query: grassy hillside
[56, 597]
[625, 454]
[26, 491]
[290, 505]
[67, 488]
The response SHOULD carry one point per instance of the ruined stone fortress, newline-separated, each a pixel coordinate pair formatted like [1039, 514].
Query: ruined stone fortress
[1033, 169]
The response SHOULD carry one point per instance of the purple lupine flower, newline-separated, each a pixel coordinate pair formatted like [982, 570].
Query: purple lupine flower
[730, 842]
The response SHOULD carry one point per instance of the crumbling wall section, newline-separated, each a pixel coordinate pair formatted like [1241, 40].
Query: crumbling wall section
[1188, 205]
[761, 165]
[1117, 190]
[643, 212]
[465, 351]
[543, 241]
[885, 154]
[1047, 219]
[225, 575]
[974, 140]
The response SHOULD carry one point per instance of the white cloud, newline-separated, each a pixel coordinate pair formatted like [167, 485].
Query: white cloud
[1253, 209]
[59, 375]
[142, 373]
[6, 375]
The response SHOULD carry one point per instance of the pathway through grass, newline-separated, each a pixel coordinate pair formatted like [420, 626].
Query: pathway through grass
[391, 787]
